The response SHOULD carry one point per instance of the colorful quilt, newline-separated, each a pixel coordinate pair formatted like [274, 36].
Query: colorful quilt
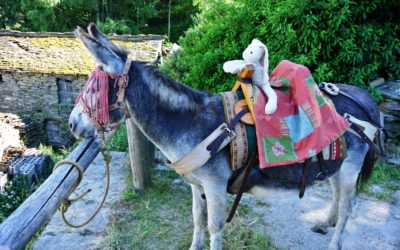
[304, 122]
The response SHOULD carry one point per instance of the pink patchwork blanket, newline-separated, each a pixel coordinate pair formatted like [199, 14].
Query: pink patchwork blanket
[304, 122]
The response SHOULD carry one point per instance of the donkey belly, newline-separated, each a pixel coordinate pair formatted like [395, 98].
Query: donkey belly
[290, 176]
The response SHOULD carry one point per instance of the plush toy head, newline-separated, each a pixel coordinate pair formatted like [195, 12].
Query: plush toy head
[256, 53]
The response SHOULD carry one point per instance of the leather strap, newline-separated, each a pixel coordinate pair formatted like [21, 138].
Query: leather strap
[303, 183]
[253, 161]
[322, 167]
[124, 83]
[363, 136]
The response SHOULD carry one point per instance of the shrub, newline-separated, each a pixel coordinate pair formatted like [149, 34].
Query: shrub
[339, 41]
[119, 141]
[14, 194]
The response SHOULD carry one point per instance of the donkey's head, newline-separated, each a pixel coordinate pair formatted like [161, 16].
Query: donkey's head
[100, 106]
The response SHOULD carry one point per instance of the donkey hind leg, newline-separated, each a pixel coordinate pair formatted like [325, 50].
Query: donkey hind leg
[199, 211]
[347, 181]
[332, 217]
[216, 205]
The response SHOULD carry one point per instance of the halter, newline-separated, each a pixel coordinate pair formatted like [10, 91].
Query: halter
[99, 109]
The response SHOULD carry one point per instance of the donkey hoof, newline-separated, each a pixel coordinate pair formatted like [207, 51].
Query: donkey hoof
[321, 228]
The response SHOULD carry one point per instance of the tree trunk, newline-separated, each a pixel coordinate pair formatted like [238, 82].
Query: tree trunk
[169, 21]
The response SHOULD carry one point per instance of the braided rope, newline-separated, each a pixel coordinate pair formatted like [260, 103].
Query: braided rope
[67, 202]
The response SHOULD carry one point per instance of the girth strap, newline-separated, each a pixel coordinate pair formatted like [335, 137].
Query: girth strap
[253, 161]
[303, 183]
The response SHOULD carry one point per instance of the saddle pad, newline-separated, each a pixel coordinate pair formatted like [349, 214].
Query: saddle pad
[244, 143]
[304, 123]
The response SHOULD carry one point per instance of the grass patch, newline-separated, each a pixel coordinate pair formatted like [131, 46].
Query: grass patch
[161, 218]
[387, 176]
[57, 154]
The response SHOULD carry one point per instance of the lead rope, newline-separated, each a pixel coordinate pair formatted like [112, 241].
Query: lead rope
[67, 202]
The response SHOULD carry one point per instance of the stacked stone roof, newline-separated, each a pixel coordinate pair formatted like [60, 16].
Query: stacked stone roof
[63, 54]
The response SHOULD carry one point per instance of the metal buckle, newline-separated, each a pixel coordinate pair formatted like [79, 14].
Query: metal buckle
[330, 88]
[229, 131]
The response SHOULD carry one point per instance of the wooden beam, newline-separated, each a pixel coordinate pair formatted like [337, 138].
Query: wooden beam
[141, 156]
[18, 229]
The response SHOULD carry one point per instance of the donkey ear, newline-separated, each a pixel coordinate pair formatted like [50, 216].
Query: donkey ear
[102, 55]
[99, 36]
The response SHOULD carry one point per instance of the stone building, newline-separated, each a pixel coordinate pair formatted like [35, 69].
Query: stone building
[42, 73]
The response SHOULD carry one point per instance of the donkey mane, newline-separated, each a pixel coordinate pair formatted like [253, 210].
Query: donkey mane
[194, 95]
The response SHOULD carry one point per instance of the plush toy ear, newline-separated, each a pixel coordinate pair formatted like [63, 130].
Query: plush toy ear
[264, 60]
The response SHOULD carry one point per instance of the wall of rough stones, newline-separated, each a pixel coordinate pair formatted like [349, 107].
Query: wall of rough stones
[47, 99]
[390, 108]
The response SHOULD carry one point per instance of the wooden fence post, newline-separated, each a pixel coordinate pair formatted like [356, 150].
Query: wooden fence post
[141, 156]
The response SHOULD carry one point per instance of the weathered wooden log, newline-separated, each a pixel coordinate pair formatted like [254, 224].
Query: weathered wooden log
[17, 230]
[141, 156]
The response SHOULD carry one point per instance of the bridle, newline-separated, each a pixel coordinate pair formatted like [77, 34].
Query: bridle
[121, 80]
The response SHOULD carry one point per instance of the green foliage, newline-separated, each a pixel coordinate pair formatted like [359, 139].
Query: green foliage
[119, 141]
[114, 26]
[339, 41]
[14, 194]
[387, 177]
[120, 17]
[386, 174]
[57, 154]
[181, 18]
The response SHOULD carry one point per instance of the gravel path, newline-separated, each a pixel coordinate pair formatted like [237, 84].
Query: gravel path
[59, 236]
[374, 224]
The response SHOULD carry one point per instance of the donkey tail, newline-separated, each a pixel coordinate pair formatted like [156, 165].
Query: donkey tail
[366, 169]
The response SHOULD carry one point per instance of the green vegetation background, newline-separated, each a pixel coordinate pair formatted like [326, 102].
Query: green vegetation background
[344, 41]
[120, 17]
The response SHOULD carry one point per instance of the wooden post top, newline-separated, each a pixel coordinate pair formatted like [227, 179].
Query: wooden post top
[247, 71]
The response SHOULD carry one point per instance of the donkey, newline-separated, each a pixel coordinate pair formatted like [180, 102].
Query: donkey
[176, 118]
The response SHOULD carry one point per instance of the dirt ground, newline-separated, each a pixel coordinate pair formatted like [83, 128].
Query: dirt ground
[374, 224]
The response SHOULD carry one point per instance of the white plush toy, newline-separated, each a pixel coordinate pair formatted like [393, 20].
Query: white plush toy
[257, 55]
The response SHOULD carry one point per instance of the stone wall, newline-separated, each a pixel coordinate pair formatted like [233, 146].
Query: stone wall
[390, 108]
[47, 99]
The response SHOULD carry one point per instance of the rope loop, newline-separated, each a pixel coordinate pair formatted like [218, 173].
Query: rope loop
[67, 202]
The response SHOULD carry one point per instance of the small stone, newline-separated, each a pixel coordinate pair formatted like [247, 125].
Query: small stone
[162, 167]
[376, 188]
[179, 183]
[159, 157]
[394, 160]
[396, 195]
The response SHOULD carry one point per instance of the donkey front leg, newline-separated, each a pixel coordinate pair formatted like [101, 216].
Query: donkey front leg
[199, 211]
[216, 205]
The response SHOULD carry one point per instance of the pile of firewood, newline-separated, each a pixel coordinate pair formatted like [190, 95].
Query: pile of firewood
[27, 129]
